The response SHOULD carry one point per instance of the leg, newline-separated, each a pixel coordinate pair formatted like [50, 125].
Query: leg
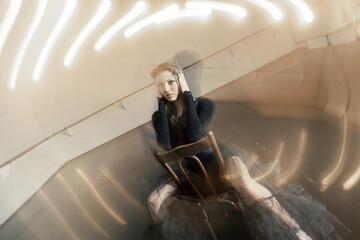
[160, 199]
[236, 172]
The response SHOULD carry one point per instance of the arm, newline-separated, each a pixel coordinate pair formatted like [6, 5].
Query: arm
[197, 119]
[161, 126]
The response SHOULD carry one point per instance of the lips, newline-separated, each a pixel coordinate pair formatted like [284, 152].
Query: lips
[169, 95]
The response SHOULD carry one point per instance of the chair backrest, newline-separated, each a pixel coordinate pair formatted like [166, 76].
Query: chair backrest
[189, 151]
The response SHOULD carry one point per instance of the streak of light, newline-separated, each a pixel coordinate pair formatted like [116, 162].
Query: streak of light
[106, 37]
[253, 158]
[151, 19]
[85, 33]
[186, 13]
[98, 197]
[274, 163]
[340, 162]
[220, 6]
[8, 22]
[30, 225]
[304, 9]
[269, 7]
[289, 173]
[92, 221]
[111, 177]
[25, 43]
[58, 214]
[64, 19]
[352, 180]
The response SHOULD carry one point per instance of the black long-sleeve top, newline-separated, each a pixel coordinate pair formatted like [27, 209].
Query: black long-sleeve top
[172, 131]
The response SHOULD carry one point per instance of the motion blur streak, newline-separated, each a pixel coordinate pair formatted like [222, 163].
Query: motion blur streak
[351, 181]
[150, 20]
[290, 172]
[58, 214]
[25, 43]
[31, 226]
[85, 33]
[253, 158]
[81, 206]
[110, 33]
[111, 177]
[184, 13]
[220, 6]
[269, 7]
[274, 163]
[304, 9]
[65, 16]
[340, 162]
[98, 197]
[8, 21]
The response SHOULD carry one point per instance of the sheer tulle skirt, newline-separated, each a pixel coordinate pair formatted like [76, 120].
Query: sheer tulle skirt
[183, 221]
[311, 215]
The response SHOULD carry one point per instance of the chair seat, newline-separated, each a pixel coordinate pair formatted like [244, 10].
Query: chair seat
[223, 189]
[204, 186]
[209, 199]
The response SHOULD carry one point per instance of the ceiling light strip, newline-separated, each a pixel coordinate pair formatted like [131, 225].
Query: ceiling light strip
[269, 7]
[25, 43]
[196, 12]
[220, 6]
[64, 19]
[304, 9]
[150, 20]
[110, 33]
[8, 22]
[85, 33]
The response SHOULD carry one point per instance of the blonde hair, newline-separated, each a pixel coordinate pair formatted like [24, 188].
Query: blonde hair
[166, 66]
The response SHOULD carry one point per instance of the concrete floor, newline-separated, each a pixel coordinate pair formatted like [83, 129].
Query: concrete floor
[102, 194]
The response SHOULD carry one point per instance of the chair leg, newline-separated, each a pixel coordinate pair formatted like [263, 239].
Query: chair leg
[206, 219]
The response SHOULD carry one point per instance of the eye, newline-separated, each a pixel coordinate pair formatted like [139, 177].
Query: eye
[171, 82]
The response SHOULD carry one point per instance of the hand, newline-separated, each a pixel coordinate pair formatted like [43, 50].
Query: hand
[182, 81]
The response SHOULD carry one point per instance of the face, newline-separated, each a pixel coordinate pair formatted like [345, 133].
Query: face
[167, 85]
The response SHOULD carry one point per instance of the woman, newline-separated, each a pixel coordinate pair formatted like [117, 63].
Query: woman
[188, 118]
[181, 119]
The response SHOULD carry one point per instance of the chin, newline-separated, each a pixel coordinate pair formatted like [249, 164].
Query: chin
[172, 99]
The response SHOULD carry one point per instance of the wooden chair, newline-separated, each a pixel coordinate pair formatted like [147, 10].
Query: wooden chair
[177, 155]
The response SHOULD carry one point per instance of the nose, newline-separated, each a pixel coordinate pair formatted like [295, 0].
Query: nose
[166, 87]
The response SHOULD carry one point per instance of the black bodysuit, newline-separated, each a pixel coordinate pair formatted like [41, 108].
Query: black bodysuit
[172, 131]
